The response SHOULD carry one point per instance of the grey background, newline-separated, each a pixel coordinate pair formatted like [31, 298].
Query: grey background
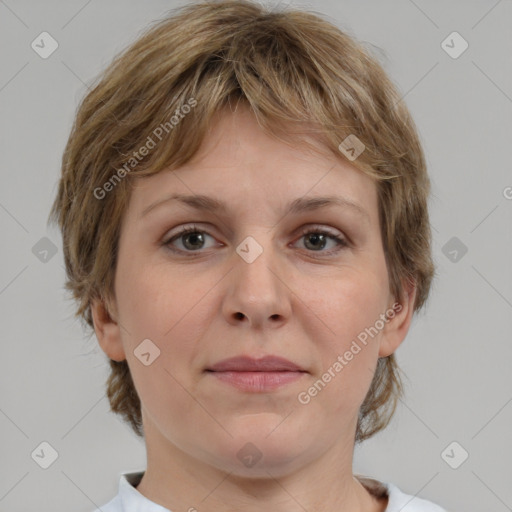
[458, 353]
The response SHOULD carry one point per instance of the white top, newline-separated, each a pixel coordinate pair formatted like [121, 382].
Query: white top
[129, 499]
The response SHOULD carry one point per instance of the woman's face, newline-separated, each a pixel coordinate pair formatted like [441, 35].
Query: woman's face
[261, 275]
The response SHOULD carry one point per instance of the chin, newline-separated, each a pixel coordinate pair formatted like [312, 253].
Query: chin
[263, 452]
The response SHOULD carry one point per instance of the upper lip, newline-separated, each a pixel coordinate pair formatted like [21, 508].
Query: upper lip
[250, 364]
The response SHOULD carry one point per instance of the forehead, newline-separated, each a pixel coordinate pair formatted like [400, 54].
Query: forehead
[244, 167]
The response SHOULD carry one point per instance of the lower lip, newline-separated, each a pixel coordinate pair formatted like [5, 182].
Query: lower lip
[257, 381]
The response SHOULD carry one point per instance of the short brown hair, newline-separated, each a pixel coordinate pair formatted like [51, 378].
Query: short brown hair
[292, 68]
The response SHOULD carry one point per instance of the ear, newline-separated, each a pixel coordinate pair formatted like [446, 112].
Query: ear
[107, 330]
[399, 320]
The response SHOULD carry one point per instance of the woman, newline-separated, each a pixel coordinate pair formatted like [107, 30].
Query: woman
[243, 204]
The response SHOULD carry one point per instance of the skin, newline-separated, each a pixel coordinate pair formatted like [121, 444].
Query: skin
[300, 299]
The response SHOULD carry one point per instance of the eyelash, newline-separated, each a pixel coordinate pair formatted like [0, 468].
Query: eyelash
[341, 242]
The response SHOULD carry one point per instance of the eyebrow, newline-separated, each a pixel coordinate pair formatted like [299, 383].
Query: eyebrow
[299, 205]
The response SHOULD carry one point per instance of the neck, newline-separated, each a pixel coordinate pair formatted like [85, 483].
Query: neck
[178, 481]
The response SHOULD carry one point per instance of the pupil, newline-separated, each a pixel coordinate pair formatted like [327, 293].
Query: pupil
[194, 236]
[316, 237]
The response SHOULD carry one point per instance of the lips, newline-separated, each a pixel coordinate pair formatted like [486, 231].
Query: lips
[268, 374]
[249, 364]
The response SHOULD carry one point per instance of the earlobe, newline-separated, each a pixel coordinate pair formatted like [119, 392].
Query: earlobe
[107, 331]
[399, 320]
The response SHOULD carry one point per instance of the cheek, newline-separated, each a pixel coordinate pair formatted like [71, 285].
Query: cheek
[153, 310]
[349, 351]
[152, 299]
[166, 309]
[350, 305]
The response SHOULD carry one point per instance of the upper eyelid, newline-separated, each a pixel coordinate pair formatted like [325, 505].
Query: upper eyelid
[193, 227]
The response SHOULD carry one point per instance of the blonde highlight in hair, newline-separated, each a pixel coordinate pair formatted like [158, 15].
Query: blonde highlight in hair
[303, 78]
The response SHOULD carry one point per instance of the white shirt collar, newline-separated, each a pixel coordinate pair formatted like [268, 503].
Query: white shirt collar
[129, 499]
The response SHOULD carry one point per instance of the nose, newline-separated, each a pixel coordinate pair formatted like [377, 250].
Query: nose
[258, 293]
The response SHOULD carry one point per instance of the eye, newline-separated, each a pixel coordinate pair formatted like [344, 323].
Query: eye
[192, 239]
[316, 240]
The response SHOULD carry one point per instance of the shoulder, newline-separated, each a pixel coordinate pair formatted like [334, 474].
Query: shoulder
[400, 501]
[114, 505]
